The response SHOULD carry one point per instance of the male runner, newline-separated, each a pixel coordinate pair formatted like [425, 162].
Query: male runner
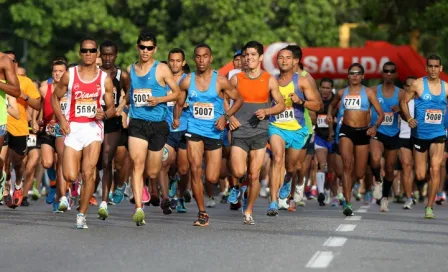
[250, 134]
[82, 124]
[206, 91]
[428, 132]
[113, 125]
[9, 86]
[18, 133]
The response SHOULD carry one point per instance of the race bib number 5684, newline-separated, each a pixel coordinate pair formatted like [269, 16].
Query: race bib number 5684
[85, 108]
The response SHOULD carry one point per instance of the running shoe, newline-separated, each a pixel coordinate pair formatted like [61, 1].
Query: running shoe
[313, 193]
[224, 196]
[166, 206]
[202, 220]
[235, 207]
[299, 192]
[110, 199]
[17, 196]
[264, 192]
[439, 198]
[181, 206]
[173, 186]
[233, 195]
[335, 202]
[210, 202]
[273, 209]
[368, 197]
[378, 190]
[292, 206]
[321, 199]
[327, 197]
[56, 208]
[348, 210]
[25, 202]
[409, 203]
[384, 204]
[429, 214]
[145, 195]
[355, 191]
[103, 213]
[51, 173]
[301, 203]
[63, 204]
[2, 184]
[173, 203]
[81, 221]
[285, 190]
[283, 204]
[35, 195]
[119, 194]
[187, 196]
[154, 200]
[139, 217]
[93, 201]
[51, 195]
[248, 219]
[128, 190]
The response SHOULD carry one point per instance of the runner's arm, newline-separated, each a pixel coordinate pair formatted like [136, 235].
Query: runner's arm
[183, 89]
[401, 94]
[31, 95]
[109, 98]
[13, 108]
[60, 89]
[12, 86]
[371, 95]
[332, 108]
[277, 97]
[231, 92]
[171, 82]
[313, 100]
[408, 96]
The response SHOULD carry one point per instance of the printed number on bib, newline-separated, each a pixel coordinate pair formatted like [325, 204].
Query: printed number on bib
[32, 140]
[388, 119]
[287, 115]
[171, 103]
[63, 104]
[321, 121]
[352, 102]
[204, 111]
[141, 97]
[433, 117]
[85, 108]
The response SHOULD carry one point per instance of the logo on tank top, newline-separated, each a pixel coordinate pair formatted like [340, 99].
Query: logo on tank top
[193, 94]
[76, 86]
[427, 97]
[381, 100]
[98, 87]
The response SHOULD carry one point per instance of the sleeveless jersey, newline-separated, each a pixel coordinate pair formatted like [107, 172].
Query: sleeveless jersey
[3, 108]
[355, 101]
[339, 119]
[405, 130]
[47, 108]
[292, 117]
[205, 108]
[143, 87]
[321, 126]
[389, 126]
[430, 113]
[83, 98]
[169, 117]
[116, 90]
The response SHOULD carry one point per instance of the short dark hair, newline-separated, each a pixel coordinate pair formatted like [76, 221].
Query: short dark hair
[433, 57]
[254, 44]
[109, 43]
[409, 77]
[356, 65]
[390, 63]
[178, 51]
[326, 79]
[9, 52]
[202, 45]
[164, 61]
[296, 52]
[60, 58]
[87, 39]
[60, 62]
[147, 36]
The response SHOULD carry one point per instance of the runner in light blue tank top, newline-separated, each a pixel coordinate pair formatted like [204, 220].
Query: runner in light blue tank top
[183, 117]
[389, 126]
[143, 87]
[360, 102]
[205, 108]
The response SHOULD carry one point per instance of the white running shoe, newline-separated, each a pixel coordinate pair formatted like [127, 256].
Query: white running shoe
[283, 204]
[378, 190]
[327, 197]
[298, 194]
[409, 204]
[81, 221]
[210, 203]
[384, 205]
[263, 192]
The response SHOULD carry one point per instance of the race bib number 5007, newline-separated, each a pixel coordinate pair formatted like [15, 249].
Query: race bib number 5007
[204, 111]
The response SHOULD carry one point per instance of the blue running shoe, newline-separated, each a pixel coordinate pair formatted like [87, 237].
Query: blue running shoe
[51, 196]
[56, 208]
[244, 198]
[119, 194]
[273, 209]
[233, 196]
[173, 187]
[181, 206]
[285, 190]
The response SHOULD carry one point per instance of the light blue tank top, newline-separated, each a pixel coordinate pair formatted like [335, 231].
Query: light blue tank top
[356, 101]
[389, 126]
[169, 116]
[339, 123]
[143, 87]
[429, 112]
[205, 108]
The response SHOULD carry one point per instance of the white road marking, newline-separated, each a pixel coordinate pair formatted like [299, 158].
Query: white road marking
[361, 210]
[320, 259]
[346, 227]
[365, 207]
[335, 242]
[353, 218]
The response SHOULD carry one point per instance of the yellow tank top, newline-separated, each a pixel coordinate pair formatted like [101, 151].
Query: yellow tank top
[286, 120]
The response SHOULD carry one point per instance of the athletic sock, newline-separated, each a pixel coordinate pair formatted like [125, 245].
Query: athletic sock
[377, 174]
[387, 185]
[320, 180]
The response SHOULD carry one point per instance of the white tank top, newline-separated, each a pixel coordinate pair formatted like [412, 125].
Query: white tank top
[405, 130]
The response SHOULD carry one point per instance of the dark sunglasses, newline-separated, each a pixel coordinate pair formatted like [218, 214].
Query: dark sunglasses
[85, 50]
[355, 73]
[143, 47]
[393, 71]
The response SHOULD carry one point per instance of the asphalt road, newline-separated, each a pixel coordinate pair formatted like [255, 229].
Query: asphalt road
[312, 238]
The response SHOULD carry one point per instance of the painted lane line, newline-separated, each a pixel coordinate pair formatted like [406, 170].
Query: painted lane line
[320, 259]
[365, 207]
[361, 210]
[353, 218]
[346, 227]
[335, 242]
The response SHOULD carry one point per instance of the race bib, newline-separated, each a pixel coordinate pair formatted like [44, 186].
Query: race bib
[287, 115]
[204, 111]
[141, 97]
[63, 104]
[321, 121]
[433, 117]
[116, 99]
[352, 102]
[85, 108]
[32, 140]
[171, 103]
[388, 119]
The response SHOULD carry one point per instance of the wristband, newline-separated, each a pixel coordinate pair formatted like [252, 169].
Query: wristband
[410, 119]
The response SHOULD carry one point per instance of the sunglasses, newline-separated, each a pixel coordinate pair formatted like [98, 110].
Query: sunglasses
[143, 47]
[389, 71]
[355, 73]
[85, 50]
